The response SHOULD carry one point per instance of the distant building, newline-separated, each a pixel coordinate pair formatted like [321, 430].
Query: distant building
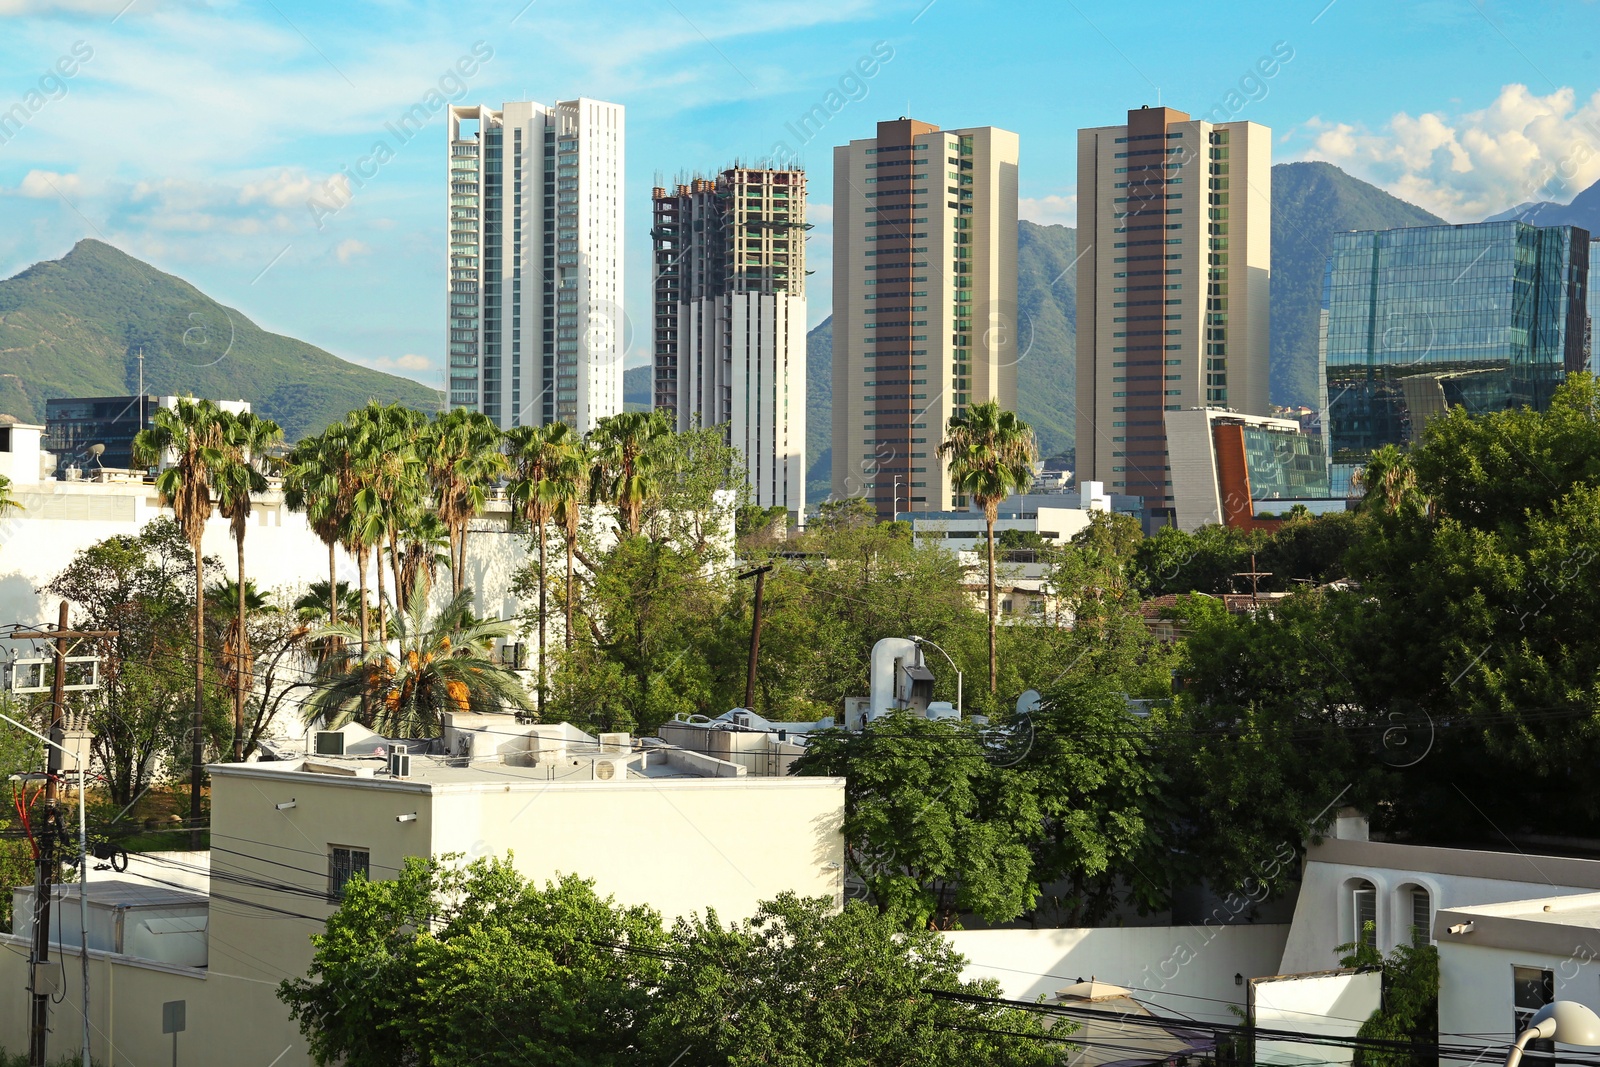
[1487, 316]
[1244, 471]
[730, 319]
[75, 425]
[535, 286]
[1174, 220]
[924, 302]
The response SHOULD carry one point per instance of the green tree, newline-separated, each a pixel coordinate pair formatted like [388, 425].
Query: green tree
[1409, 1012]
[623, 470]
[991, 455]
[456, 965]
[402, 687]
[801, 984]
[189, 440]
[931, 826]
[140, 586]
[460, 450]
[540, 457]
[240, 477]
[313, 484]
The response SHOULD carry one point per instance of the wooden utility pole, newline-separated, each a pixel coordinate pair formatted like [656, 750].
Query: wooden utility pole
[760, 575]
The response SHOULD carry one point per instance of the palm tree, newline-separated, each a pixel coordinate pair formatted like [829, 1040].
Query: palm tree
[311, 485]
[7, 501]
[245, 439]
[402, 687]
[188, 439]
[571, 486]
[991, 454]
[427, 547]
[1388, 481]
[537, 455]
[460, 450]
[622, 470]
[314, 608]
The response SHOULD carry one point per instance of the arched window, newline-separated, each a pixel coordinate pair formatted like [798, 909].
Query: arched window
[1364, 913]
[1421, 916]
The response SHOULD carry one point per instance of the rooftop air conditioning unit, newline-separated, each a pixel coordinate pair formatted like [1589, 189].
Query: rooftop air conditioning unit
[399, 762]
[604, 770]
[330, 742]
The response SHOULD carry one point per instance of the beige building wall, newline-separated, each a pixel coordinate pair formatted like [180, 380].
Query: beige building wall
[1173, 287]
[925, 302]
[678, 845]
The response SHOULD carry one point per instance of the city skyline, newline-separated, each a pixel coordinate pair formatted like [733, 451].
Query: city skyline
[291, 210]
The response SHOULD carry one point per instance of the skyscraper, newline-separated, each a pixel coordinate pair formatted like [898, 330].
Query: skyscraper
[1174, 228]
[536, 224]
[1488, 316]
[924, 302]
[730, 319]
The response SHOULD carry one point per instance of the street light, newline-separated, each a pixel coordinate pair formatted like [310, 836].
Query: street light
[894, 505]
[83, 873]
[1565, 1021]
[919, 641]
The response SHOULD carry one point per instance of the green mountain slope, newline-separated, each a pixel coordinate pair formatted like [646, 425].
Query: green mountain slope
[636, 385]
[819, 411]
[75, 327]
[1310, 203]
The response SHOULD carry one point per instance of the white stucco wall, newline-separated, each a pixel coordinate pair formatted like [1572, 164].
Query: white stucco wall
[1454, 878]
[1184, 971]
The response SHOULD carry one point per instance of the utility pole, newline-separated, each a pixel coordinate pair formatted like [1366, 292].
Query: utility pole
[760, 575]
[1255, 576]
[44, 874]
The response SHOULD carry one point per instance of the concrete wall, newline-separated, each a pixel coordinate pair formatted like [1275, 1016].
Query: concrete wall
[1176, 970]
[1332, 1004]
[1324, 914]
[1475, 991]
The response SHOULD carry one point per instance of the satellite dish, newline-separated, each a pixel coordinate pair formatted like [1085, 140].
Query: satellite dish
[97, 450]
[1028, 702]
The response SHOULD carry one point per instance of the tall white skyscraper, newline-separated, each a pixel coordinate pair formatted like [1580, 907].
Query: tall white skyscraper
[730, 319]
[1174, 283]
[536, 225]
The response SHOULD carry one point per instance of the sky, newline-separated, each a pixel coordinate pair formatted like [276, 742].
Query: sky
[213, 139]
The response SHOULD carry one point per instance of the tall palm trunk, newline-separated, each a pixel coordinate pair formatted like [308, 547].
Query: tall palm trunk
[333, 587]
[240, 654]
[197, 750]
[456, 558]
[570, 546]
[541, 615]
[377, 552]
[402, 593]
[989, 514]
[361, 565]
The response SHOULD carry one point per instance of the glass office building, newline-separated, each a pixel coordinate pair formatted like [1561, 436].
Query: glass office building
[1416, 321]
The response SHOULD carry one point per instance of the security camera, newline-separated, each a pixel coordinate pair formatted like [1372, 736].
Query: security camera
[1461, 928]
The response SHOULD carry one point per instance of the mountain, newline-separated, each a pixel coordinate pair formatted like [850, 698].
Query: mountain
[1310, 203]
[636, 382]
[75, 327]
[1583, 211]
[1046, 368]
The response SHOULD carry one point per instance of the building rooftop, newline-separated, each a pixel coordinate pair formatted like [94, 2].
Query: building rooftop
[125, 894]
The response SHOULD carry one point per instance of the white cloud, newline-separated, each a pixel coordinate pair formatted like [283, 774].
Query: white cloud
[410, 363]
[46, 184]
[1050, 210]
[350, 248]
[1465, 166]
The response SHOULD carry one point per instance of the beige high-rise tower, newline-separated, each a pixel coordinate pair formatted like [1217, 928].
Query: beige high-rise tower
[1175, 244]
[924, 302]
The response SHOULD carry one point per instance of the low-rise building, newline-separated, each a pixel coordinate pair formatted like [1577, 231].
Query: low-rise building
[1244, 471]
[678, 834]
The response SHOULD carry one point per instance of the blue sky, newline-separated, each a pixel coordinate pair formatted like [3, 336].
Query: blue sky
[196, 135]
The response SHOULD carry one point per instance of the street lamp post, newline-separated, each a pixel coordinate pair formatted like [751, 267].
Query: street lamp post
[1565, 1021]
[924, 641]
[894, 505]
[83, 873]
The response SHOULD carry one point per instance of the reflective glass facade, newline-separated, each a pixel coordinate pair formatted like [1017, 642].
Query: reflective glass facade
[1285, 464]
[1488, 316]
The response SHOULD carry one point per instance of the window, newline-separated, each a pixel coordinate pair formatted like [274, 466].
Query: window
[1531, 989]
[1421, 917]
[344, 864]
[1364, 914]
